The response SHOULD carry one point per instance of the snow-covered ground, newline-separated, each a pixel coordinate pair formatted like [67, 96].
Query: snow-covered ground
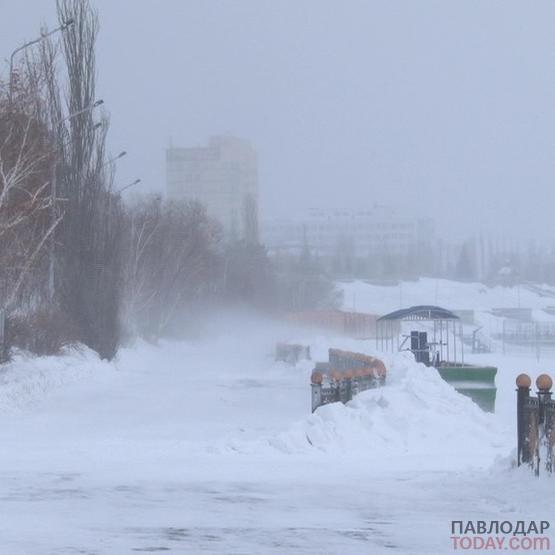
[455, 295]
[210, 447]
[477, 298]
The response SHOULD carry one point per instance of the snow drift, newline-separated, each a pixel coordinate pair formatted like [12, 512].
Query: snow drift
[416, 416]
[28, 380]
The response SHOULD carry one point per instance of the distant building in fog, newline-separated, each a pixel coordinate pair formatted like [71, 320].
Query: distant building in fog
[376, 231]
[223, 176]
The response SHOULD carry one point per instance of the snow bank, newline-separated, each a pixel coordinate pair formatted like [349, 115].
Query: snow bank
[225, 396]
[28, 380]
[416, 415]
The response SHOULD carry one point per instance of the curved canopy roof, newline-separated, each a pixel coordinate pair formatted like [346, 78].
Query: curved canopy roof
[421, 312]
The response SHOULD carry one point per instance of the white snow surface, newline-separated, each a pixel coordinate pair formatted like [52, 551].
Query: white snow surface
[403, 423]
[210, 447]
[454, 295]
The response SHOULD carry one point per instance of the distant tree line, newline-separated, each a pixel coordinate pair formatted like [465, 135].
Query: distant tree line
[481, 258]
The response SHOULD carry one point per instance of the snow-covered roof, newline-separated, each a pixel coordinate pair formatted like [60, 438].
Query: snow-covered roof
[421, 312]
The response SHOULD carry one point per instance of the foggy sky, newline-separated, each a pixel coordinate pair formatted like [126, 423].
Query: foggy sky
[443, 107]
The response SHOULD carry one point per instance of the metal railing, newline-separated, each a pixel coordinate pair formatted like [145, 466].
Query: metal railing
[344, 376]
[535, 423]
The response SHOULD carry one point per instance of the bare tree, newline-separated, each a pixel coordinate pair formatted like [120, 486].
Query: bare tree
[88, 272]
[26, 156]
[171, 263]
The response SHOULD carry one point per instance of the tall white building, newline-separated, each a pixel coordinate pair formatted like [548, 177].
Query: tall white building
[223, 176]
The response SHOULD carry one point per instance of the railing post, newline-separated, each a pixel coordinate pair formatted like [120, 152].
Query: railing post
[316, 386]
[543, 383]
[531, 443]
[545, 417]
[549, 426]
[523, 383]
[345, 387]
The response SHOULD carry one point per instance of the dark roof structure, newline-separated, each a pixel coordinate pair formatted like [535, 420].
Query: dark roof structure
[421, 312]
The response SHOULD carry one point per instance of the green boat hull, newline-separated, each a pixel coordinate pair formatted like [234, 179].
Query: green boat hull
[476, 382]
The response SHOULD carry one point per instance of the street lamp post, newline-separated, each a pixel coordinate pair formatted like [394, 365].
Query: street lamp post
[42, 37]
[53, 188]
[112, 160]
[96, 126]
[137, 181]
[92, 106]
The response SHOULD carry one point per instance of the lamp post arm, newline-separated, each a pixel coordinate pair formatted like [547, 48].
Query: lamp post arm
[31, 43]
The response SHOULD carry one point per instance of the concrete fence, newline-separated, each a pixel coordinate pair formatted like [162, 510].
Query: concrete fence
[358, 325]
